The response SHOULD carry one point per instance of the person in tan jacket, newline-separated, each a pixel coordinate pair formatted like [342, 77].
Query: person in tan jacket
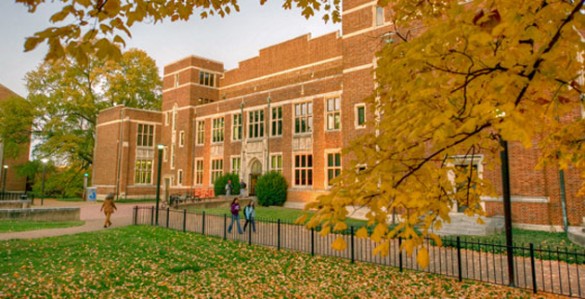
[108, 207]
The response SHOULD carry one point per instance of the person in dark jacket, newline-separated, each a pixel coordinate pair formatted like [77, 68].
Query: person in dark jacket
[235, 209]
[250, 215]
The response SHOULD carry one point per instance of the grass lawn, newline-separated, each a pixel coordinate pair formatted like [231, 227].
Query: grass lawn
[7, 226]
[149, 262]
[286, 215]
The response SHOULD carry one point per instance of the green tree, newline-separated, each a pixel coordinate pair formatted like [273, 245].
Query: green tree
[460, 78]
[99, 26]
[220, 182]
[271, 189]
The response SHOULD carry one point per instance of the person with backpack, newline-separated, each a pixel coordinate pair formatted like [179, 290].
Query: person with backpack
[250, 215]
[235, 210]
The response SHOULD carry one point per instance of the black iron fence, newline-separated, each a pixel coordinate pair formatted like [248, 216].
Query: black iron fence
[13, 195]
[538, 269]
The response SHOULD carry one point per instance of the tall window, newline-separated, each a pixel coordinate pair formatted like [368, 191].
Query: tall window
[206, 79]
[143, 172]
[176, 77]
[276, 122]
[200, 132]
[174, 120]
[256, 124]
[181, 138]
[304, 170]
[360, 116]
[276, 163]
[145, 135]
[167, 118]
[379, 16]
[165, 154]
[333, 114]
[333, 166]
[173, 156]
[216, 169]
[217, 130]
[466, 174]
[237, 127]
[180, 177]
[303, 118]
[199, 172]
[236, 164]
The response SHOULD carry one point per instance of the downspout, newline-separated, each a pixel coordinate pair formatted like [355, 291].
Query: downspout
[268, 136]
[242, 151]
[120, 152]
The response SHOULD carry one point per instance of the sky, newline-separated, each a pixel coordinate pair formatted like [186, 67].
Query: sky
[234, 38]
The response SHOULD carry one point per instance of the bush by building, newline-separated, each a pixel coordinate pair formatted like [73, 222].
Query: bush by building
[271, 189]
[220, 182]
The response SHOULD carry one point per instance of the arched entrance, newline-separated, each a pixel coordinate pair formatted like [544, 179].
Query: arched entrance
[255, 172]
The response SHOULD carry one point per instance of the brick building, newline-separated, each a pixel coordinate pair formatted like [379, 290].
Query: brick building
[291, 109]
[13, 181]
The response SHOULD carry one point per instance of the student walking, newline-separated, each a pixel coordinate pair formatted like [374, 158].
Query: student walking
[250, 215]
[235, 209]
[108, 207]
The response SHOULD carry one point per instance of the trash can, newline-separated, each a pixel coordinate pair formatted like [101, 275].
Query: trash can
[91, 193]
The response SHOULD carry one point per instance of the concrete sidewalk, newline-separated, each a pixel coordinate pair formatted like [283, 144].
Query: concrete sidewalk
[89, 212]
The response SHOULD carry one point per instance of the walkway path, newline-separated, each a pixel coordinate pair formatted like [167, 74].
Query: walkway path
[89, 212]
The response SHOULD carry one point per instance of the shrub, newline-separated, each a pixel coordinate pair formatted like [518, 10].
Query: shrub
[220, 182]
[271, 189]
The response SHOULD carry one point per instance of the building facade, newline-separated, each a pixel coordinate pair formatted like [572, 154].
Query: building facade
[9, 178]
[290, 109]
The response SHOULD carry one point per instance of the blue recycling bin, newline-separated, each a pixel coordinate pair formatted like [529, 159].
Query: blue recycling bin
[91, 193]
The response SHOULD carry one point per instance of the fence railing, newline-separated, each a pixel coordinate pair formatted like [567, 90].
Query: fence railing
[535, 268]
[13, 195]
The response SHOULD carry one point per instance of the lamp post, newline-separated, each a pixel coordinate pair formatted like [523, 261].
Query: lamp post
[4, 173]
[44, 161]
[507, 208]
[160, 148]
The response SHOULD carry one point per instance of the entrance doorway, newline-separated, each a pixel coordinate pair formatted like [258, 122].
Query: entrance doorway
[255, 172]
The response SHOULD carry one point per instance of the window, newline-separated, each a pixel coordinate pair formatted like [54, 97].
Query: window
[167, 118]
[202, 101]
[181, 138]
[180, 177]
[172, 156]
[216, 169]
[276, 163]
[217, 131]
[256, 124]
[379, 16]
[165, 156]
[276, 122]
[145, 135]
[466, 172]
[206, 78]
[333, 166]
[237, 127]
[333, 114]
[143, 172]
[199, 172]
[200, 132]
[303, 118]
[236, 163]
[174, 120]
[360, 116]
[176, 77]
[304, 170]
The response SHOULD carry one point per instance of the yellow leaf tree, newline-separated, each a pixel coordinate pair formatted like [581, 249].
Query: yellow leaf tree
[459, 77]
[84, 26]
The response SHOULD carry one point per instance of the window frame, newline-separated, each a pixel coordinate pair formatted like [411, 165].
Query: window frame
[199, 172]
[276, 122]
[218, 130]
[305, 177]
[200, 137]
[237, 158]
[256, 124]
[334, 168]
[276, 155]
[141, 173]
[357, 108]
[180, 177]
[142, 136]
[237, 127]
[215, 173]
[181, 138]
[306, 116]
[335, 112]
[206, 78]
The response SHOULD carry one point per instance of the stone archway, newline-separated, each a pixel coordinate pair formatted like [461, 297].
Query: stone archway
[255, 172]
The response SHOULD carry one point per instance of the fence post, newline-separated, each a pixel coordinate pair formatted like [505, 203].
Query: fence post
[459, 259]
[250, 235]
[278, 234]
[184, 220]
[400, 253]
[533, 268]
[224, 226]
[352, 246]
[168, 214]
[135, 214]
[312, 241]
[203, 223]
[152, 216]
